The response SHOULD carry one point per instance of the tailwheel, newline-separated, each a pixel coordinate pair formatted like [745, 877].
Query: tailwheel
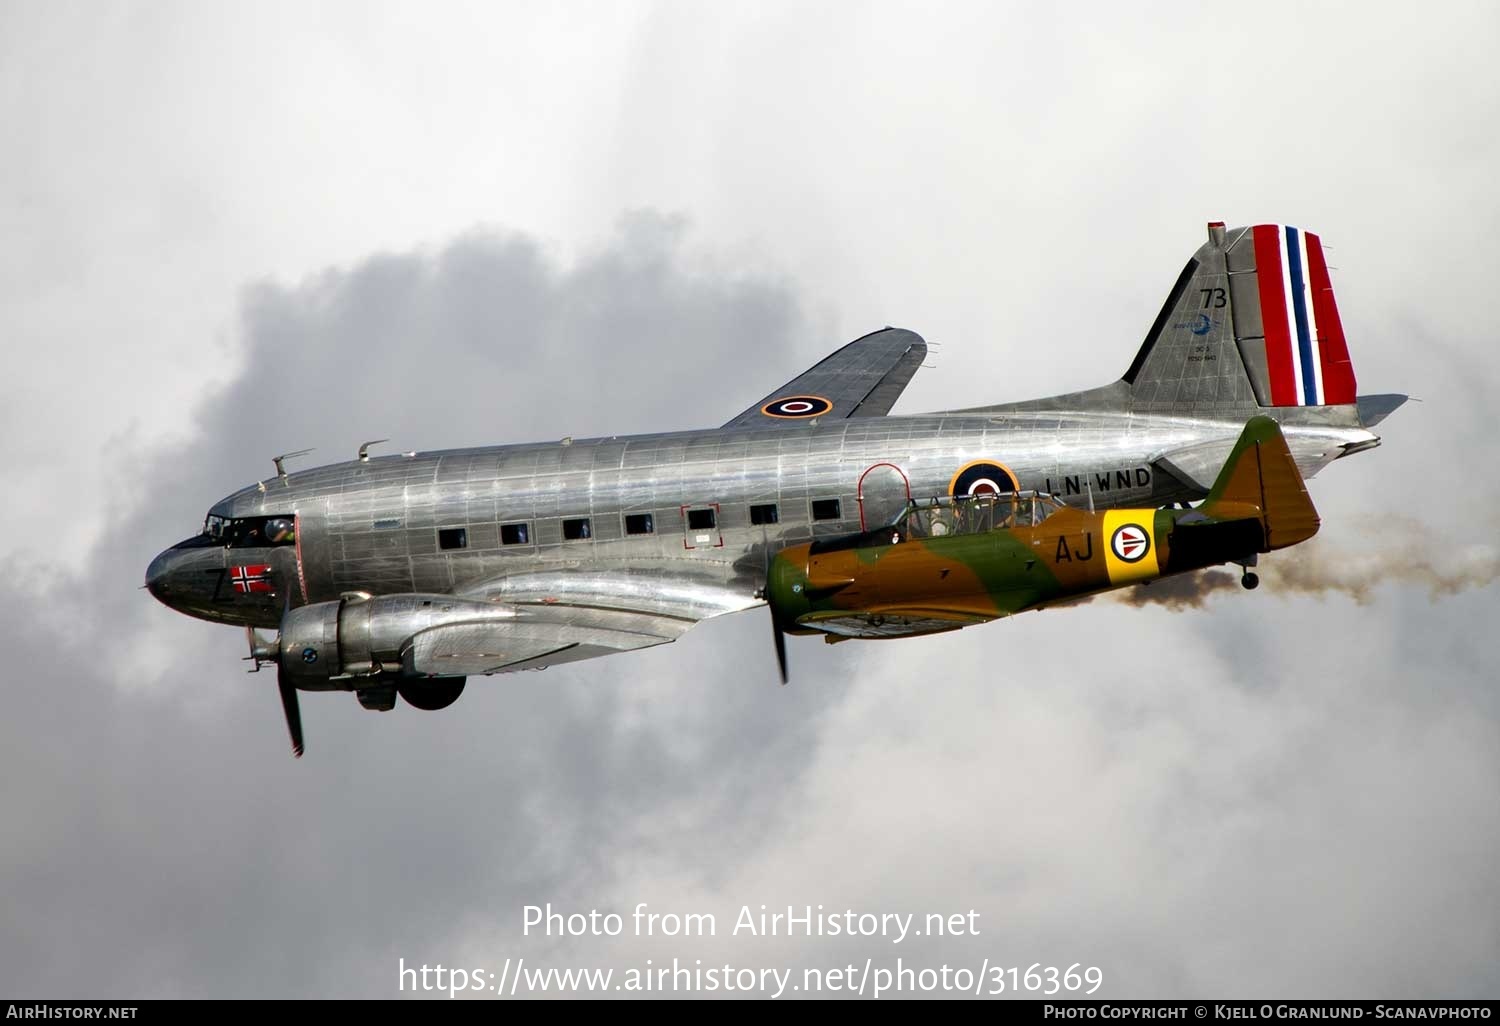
[1250, 581]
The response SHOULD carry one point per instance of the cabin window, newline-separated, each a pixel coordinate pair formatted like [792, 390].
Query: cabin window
[515, 534]
[766, 514]
[639, 523]
[577, 529]
[453, 538]
[825, 509]
[701, 519]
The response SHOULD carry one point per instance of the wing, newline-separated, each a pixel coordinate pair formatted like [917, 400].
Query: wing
[863, 379]
[526, 642]
[906, 622]
[564, 616]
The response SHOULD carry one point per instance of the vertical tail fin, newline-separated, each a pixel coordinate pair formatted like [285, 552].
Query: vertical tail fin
[1251, 322]
[1260, 480]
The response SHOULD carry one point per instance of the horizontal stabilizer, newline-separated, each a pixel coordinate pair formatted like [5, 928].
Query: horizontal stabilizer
[1375, 408]
[1197, 465]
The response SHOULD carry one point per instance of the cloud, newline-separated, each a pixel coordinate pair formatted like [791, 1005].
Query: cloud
[1170, 798]
[1268, 795]
[245, 876]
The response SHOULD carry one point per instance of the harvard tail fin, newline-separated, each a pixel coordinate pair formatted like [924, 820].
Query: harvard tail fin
[1260, 481]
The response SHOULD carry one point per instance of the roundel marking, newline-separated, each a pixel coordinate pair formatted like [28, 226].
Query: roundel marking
[796, 407]
[983, 477]
[1130, 543]
[309, 655]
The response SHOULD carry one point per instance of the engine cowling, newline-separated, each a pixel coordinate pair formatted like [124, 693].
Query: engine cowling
[331, 646]
[308, 647]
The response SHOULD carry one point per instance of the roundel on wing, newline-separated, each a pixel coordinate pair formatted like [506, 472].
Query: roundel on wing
[796, 407]
[983, 477]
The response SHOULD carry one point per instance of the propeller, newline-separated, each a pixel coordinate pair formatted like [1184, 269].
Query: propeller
[289, 706]
[270, 652]
[780, 636]
[777, 633]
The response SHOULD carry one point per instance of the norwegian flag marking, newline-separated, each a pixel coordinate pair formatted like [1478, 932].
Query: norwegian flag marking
[251, 580]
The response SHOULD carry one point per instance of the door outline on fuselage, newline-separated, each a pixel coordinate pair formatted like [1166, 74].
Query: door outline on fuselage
[859, 490]
[297, 551]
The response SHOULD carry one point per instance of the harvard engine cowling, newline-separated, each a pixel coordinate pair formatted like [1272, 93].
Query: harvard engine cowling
[338, 646]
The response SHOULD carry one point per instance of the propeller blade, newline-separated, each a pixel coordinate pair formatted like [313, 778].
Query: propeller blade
[780, 637]
[776, 631]
[292, 710]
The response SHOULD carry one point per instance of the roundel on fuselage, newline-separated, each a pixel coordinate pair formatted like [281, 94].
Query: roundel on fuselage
[983, 477]
[796, 407]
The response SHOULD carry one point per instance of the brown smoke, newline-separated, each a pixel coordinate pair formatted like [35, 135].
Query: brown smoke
[1186, 591]
[1320, 568]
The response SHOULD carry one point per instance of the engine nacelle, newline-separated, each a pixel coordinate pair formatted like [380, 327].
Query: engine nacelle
[329, 646]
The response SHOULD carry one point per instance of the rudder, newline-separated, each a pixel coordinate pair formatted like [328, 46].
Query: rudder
[1286, 320]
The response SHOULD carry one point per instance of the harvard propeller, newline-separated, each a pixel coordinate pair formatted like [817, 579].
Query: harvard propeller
[407, 574]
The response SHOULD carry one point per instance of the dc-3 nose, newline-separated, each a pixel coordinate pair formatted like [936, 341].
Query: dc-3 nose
[158, 576]
[184, 577]
[168, 578]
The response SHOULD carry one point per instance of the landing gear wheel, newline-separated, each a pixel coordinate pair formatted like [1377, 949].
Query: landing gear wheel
[431, 695]
[1250, 581]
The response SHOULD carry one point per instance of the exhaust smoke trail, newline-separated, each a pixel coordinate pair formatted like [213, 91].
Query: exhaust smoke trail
[1322, 569]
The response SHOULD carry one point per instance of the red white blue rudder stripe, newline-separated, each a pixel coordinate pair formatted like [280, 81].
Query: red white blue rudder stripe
[1307, 359]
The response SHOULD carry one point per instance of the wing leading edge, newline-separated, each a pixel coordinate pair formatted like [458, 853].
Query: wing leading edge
[863, 379]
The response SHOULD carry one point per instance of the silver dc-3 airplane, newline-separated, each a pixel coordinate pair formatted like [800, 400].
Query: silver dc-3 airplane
[407, 574]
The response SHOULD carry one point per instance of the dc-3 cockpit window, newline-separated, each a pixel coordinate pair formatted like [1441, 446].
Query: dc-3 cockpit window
[973, 514]
[251, 532]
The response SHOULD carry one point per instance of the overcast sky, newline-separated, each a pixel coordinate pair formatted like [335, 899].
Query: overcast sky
[234, 230]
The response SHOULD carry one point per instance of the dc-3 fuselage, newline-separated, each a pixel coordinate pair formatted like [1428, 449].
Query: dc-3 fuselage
[408, 573]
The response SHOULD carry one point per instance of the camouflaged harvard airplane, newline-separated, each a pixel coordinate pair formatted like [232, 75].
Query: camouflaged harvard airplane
[954, 561]
[407, 574]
